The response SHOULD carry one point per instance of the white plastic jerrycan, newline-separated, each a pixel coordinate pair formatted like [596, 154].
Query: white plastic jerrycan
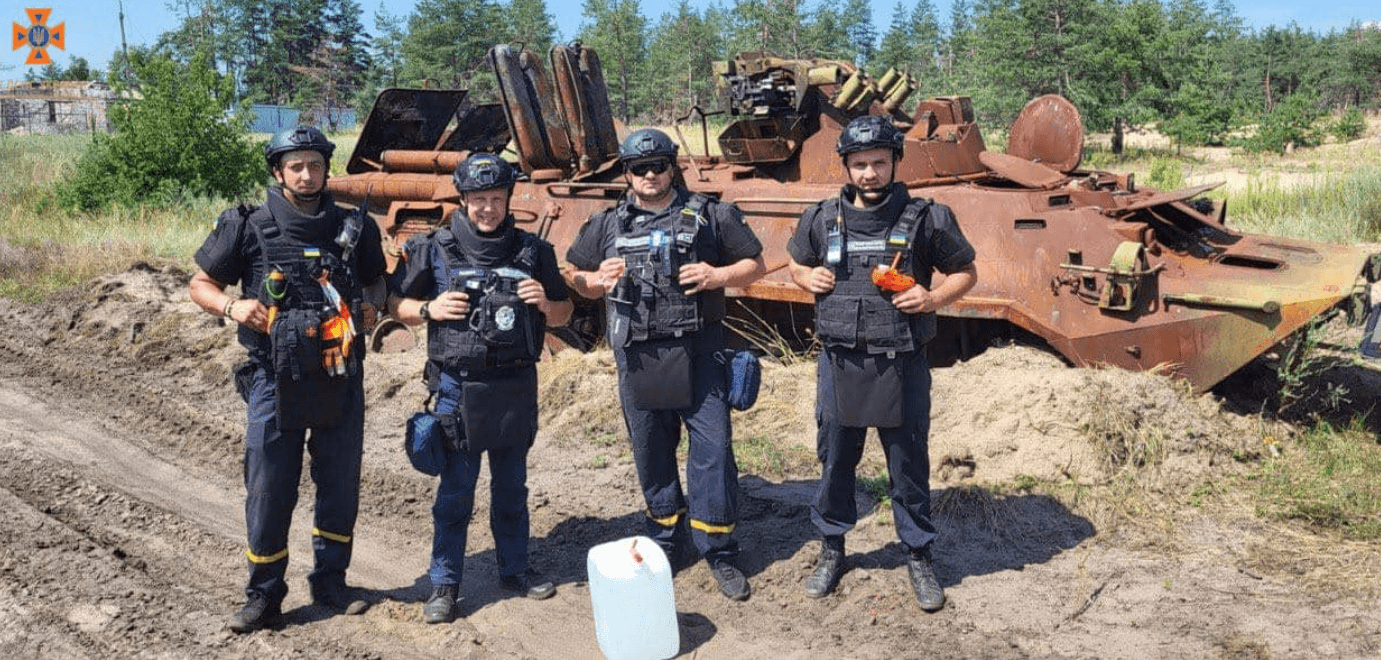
[635, 611]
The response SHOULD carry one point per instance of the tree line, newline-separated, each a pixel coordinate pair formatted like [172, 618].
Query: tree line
[1191, 67]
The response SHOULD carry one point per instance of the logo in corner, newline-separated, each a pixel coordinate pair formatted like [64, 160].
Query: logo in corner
[38, 36]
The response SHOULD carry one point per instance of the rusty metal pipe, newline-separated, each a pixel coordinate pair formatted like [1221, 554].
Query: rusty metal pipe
[1266, 306]
[417, 160]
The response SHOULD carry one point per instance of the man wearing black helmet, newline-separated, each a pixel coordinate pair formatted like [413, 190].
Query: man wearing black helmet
[311, 277]
[873, 370]
[661, 258]
[487, 291]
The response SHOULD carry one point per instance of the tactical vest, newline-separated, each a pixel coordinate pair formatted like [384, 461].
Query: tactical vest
[500, 331]
[297, 299]
[857, 314]
[649, 302]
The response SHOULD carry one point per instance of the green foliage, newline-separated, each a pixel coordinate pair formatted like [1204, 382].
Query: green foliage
[174, 143]
[1335, 208]
[1290, 124]
[1327, 481]
[1166, 174]
[1349, 126]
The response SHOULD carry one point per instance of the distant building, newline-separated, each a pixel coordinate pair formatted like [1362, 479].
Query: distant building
[55, 106]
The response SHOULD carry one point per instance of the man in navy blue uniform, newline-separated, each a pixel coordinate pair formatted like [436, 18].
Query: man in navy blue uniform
[873, 370]
[661, 258]
[308, 271]
[487, 292]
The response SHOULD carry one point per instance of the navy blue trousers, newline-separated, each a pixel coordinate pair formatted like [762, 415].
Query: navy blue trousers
[455, 501]
[906, 447]
[273, 468]
[711, 471]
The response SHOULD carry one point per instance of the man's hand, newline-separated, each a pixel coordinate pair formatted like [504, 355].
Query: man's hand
[700, 276]
[449, 306]
[533, 293]
[916, 300]
[819, 280]
[250, 313]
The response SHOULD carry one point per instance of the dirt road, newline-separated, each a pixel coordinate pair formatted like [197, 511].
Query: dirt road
[121, 528]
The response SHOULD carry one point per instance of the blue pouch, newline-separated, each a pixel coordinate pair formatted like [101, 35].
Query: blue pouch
[743, 377]
[425, 444]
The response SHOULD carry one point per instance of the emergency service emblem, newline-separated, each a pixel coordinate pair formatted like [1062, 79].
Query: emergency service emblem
[504, 318]
[38, 36]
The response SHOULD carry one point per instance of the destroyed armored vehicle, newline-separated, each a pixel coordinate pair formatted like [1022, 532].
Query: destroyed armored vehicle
[1104, 271]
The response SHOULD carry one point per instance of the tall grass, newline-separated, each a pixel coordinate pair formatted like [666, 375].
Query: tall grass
[44, 247]
[1331, 207]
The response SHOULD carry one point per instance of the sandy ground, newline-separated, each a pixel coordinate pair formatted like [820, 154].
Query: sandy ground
[121, 530]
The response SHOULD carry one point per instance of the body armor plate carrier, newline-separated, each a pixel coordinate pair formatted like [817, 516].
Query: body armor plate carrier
[501, 331]
[856, 314]
[649, 302]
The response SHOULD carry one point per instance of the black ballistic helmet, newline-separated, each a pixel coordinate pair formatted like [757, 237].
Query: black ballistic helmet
[870, 132]
[302, 138]
[483, 171]
[647, 143]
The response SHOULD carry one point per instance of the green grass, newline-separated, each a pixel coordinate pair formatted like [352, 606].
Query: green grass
[1333, 207]
[1326, 480]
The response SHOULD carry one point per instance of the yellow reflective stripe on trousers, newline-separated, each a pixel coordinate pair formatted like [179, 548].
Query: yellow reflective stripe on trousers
[669, 521]
[338, 538]
[266, 559]
[711, 529]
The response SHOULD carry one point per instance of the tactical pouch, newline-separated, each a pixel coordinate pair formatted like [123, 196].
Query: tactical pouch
[658, 374]
[425, 443]
[1371, 334]
[501, 321]
[243, 376]
[307, 396]
[742, 377]
[867, 389]
[499, 408]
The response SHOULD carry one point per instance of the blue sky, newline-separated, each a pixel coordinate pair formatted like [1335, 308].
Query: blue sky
[93, 27]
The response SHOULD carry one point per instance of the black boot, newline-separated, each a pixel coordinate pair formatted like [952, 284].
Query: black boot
[828, 569]
[531, 583]
[924, 582]
[257, 613]
[340, 599]
[441, 607]
[732, 582]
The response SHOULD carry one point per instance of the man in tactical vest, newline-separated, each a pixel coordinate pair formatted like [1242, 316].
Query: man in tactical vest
[311, 279]
[487, 292]
[873, 369]
[661, 259]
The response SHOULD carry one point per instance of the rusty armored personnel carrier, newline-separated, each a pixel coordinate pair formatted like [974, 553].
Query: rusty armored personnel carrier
[1106, 272]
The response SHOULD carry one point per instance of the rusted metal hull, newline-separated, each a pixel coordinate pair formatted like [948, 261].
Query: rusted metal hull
[1105, 273]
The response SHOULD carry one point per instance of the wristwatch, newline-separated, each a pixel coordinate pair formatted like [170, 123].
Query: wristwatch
[424, 312]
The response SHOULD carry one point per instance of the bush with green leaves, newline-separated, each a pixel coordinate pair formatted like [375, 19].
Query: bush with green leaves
[1349, 126]
[175, 142]
[1291, 122]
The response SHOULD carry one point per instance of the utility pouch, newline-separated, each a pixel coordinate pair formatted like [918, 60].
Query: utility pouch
[742, 377]
[307, 396]
[659, 374]
[499, 409]
[1371, 334]
[243, 376]
[867, 389]
[501, 321]
[425, 443]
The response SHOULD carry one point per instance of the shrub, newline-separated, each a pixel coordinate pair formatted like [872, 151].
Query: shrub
[174, 143]
[1349, 126]
[1291, 122]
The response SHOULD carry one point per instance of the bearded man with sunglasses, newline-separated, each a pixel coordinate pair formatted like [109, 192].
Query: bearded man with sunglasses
[661, 259]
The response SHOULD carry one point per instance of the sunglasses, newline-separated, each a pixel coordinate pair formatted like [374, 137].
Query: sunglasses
[655, 167]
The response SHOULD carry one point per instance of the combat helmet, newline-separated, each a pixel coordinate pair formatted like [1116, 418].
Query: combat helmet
[647, 143]
[302, 138]
[870, 132]
[483, 171]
